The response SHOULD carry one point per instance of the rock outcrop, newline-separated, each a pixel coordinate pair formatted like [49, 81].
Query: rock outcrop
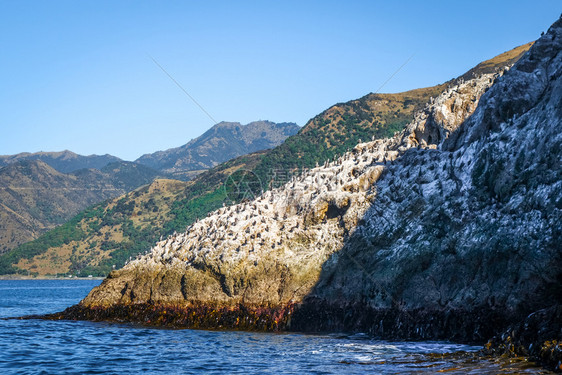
[270, 251]
[451, 229]
[464, 241]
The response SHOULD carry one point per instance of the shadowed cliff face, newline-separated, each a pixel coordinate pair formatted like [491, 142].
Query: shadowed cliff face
[464, 242]
[476, 223]
[448, 230]
[270, 252]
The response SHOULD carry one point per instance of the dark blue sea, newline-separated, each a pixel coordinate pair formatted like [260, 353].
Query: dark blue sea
[69, 347]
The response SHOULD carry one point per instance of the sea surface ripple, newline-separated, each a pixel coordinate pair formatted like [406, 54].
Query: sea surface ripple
[69, 347]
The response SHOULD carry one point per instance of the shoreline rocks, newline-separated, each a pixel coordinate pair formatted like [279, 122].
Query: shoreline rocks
[537, 337]
[450, 230]
[213, 317]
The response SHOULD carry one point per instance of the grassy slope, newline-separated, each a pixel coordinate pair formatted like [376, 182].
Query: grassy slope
[506, 58]
[340, 128]
[35, 198]
[109, 233]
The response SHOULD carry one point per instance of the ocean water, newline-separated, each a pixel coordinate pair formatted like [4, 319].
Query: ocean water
[69, 347]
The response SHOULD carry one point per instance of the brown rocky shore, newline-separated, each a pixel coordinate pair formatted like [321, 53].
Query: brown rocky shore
[531, 337]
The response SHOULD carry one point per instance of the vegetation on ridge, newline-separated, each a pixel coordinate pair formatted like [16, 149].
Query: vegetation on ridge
[35, 197]
[113, 231]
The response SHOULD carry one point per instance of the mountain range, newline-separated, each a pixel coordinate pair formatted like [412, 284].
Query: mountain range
[448, 230]
[34, 197]
[64, 161]
[224, 141]
[108, 234]
[39, 191]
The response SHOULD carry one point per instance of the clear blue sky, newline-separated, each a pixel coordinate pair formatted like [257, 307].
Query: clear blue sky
[77, 74]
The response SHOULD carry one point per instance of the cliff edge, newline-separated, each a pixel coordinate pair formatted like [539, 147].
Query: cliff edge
[449, 230]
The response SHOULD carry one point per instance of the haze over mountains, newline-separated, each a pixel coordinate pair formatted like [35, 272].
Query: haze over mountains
[41, 190]
[224, 141]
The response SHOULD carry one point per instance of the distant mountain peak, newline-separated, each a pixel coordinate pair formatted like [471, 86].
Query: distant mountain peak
[63, 161]
[224, 141]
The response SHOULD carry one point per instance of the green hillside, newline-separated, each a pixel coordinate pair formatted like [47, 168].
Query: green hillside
[108, 234]
[35, 197]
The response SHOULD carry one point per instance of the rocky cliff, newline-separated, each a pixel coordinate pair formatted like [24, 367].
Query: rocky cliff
[111, 232]
[270, 252]
[449, 230]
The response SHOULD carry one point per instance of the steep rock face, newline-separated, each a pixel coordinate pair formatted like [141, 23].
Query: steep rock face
[475, 224]
[465, 240]
[440, 232]
[224, 141]
[270, 252]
